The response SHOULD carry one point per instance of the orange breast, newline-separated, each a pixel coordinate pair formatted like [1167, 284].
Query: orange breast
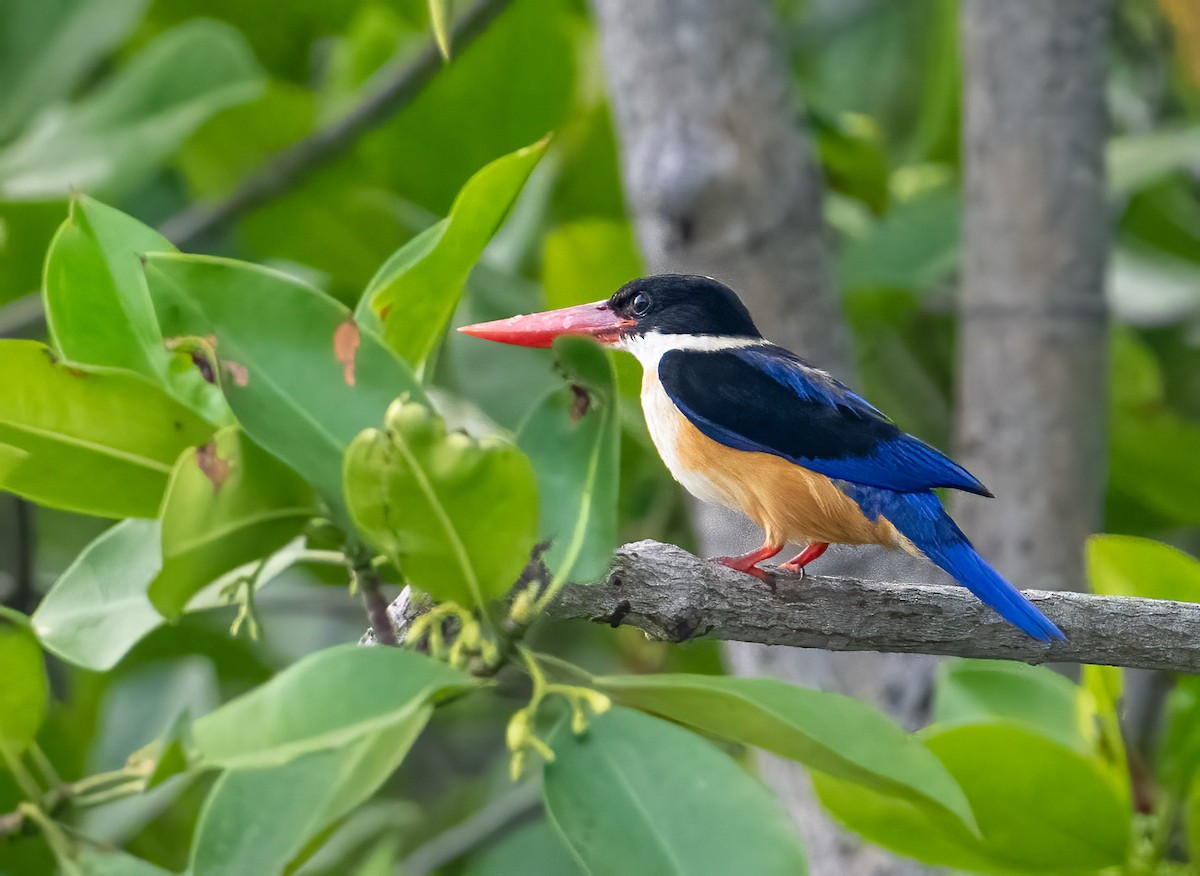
[789, 502]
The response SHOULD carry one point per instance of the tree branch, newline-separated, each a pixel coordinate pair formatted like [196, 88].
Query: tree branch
[293, 164]
[673, 595]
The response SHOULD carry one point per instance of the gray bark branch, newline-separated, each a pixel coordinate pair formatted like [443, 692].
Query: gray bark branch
[673, 595]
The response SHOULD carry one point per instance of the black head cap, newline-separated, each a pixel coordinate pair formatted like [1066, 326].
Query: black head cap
[683, 304]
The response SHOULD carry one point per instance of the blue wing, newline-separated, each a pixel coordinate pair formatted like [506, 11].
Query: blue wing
[766, 399]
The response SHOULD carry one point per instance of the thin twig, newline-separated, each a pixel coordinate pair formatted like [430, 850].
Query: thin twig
[366, 579]
[294, 164]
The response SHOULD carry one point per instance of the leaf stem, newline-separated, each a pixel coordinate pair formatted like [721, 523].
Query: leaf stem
[58, 841]
[24, 779]
[44, 766]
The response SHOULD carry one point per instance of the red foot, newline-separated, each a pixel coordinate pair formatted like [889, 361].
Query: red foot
[747, 562]
[805, 557]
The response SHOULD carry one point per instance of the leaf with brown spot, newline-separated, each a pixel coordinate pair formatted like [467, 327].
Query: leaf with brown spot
[114, 425]
[294, 404]
[229, 503]
[580, 403]
[210, 462]
[345, 347]
[238, 372]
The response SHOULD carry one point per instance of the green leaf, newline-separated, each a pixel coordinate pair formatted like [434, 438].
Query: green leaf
[228, 503]
[638, 795]
[1179, 754]
[853, 155]
[534, 848]
[977, 691]
[25, 690]
[51, 46]
[1151, 460]
[517, 82]
[901, 826]
[300, 376]
[826, 731]
[99, 441]
[292, 802]
[573, 439]
[325, 701]
[437, 21]
[1040, 806]
[915, 246]
[98, 309]
[1124, 565]
[99, 608]
[587, 260]
[10, 458]
[115, 138]
[1136, 162]
[96, 861]
[456, 515]
[416, 291]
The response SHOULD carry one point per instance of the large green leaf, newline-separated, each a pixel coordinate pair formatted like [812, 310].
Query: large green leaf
[977, 691]
[99, 441]
[25, 690]
[826, 731]
[1124, 565]
[228, 503]
[457, 516]
[416, 291]
[98, 309]
[326, 701]
[290, 803]
[573, 439]
[115, 138]
[300, 376]
[1040, 806]
[99, 608]
[46, 46]
[638, 795]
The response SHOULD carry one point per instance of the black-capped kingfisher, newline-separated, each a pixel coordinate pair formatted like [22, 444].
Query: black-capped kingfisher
[749, 425]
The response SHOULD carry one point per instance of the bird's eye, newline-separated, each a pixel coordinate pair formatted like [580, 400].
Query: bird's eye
[641, 304]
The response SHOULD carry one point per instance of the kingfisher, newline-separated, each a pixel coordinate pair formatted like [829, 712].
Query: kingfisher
[749, 425]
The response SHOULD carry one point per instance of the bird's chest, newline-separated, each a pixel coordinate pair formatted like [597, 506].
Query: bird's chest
[675, 439]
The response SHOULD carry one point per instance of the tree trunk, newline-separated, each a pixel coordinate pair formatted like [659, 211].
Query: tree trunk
[1032, 344]
[721, 180]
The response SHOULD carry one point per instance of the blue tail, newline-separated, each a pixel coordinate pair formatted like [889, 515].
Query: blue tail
[923, 521]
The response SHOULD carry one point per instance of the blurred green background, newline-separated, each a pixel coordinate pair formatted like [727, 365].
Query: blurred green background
[163, 107]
